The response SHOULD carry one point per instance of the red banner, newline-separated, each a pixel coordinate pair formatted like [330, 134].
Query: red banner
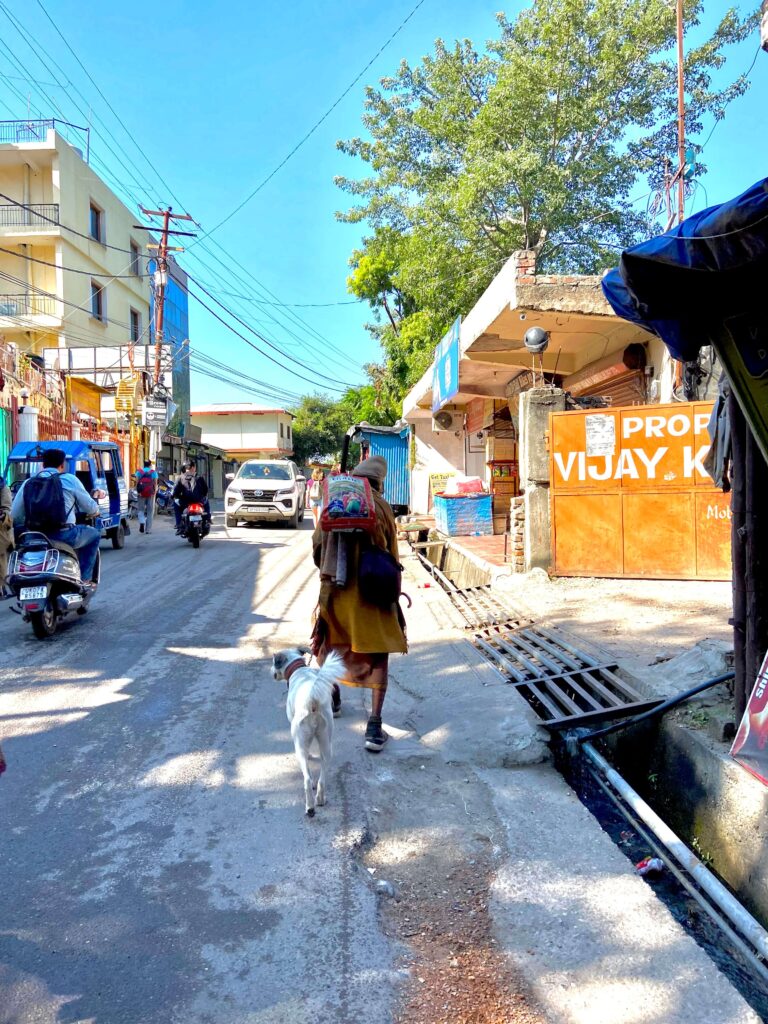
[750, 748]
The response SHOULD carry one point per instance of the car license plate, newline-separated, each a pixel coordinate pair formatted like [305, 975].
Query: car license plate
[32, 593]
[254, 508]
[195, 519]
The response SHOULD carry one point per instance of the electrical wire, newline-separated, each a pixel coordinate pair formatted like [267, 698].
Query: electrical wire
[73, 270]
[248, 341]
[261, 337]
[314, 127]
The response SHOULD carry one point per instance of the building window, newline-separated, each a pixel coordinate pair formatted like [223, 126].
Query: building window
[281, 430]
[97, 223]
[97, 301]
[135, 325]
[135, 260]
[289, 431]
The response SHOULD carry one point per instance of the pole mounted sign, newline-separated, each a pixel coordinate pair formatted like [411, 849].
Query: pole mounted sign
[445, 369]
[155, 413]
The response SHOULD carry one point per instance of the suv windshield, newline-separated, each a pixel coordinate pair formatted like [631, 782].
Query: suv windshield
[256, 471]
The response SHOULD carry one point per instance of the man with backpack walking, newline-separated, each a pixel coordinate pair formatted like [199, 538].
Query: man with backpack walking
[146, 487]
[49, 502]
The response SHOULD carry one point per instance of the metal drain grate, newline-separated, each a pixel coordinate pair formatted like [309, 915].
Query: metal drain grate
[480, 607]
[563, 685]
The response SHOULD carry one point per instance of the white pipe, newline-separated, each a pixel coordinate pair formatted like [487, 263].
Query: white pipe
[717, 892]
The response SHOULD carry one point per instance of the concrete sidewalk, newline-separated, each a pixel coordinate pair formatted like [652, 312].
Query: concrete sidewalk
[467, 781]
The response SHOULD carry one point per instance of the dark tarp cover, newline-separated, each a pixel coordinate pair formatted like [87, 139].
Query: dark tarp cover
[705, 282]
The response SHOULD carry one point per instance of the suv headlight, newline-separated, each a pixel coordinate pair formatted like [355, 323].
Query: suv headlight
[288, 492]
[235, 489]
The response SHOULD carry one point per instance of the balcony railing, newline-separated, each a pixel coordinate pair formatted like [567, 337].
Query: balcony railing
[31, 215]
[27, 304]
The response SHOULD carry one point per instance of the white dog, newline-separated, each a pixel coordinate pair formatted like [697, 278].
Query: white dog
[310, 711]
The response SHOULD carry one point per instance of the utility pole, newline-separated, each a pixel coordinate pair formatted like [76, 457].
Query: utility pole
[161, 273]
[680, 116]
[161, 283]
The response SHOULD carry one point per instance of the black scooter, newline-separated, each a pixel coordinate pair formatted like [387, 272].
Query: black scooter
[45, 577]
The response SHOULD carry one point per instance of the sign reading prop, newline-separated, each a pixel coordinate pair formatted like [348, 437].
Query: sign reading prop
[631, 497]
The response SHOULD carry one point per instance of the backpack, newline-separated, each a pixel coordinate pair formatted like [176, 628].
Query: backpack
[44, 506]
[145, 486]
[347, 504]
[379, 577]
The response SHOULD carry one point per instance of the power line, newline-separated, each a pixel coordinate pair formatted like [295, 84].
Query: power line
[261, 337]
[72, 270]
[104, 98]
[248, 341]
[315, 126]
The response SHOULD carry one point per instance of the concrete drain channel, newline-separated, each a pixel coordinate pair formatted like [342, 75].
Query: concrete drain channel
[569, 691]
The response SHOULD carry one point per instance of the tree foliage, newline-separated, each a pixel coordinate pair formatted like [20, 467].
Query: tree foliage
[539, 142]
[318, 430]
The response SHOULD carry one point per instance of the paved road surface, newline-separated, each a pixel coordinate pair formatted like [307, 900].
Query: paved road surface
[157, 866]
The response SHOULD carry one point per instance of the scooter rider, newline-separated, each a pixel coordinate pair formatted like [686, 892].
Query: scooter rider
[190, 488]
[51, 507]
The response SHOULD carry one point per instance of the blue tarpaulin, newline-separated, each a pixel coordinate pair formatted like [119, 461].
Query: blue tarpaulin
[703, 282]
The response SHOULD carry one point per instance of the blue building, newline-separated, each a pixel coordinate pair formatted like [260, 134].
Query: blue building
[176, 337]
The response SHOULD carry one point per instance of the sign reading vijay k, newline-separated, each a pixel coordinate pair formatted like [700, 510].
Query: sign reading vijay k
[445, 369]
[654, 446]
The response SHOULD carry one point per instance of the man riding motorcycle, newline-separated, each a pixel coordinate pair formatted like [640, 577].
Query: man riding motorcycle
[190, 488]
[49, 502]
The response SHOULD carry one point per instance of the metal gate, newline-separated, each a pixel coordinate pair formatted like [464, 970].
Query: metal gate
[630, 496]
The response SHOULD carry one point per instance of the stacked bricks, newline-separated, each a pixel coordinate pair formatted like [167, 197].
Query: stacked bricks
[516, 529]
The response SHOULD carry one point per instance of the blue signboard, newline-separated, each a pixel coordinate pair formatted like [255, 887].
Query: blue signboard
[445, 369]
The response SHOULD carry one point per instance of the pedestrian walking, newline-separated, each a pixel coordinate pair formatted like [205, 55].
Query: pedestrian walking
[146, 489]
[316, 494]
[6, 532]
[364, 632]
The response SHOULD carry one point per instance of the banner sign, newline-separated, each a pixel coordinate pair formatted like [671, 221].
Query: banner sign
[445, 369]
[750, 748]
[660, 446]
[439, 481]
[155, 412]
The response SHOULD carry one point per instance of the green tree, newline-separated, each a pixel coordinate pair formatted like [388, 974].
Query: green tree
[318, 430]
[538, 143]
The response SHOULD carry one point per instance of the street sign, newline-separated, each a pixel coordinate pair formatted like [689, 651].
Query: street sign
[155, 412]
[445, 370]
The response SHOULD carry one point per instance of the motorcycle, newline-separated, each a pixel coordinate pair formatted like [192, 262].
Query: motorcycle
[44, 576]
[133, 503]
[164, 498]
[195, 524]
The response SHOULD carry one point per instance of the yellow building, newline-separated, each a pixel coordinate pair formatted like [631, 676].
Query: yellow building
[62, 285]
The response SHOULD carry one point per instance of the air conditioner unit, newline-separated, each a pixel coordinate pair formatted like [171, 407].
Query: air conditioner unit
[443, 420]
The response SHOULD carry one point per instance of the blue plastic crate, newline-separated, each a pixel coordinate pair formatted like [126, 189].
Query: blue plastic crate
[464, 515]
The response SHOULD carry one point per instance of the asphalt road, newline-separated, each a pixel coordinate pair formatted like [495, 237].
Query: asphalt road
[156, 862]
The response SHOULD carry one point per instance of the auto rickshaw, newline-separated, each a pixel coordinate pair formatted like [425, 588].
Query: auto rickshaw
[96, 464]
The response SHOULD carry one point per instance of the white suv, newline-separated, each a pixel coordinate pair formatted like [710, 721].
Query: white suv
[266, 490]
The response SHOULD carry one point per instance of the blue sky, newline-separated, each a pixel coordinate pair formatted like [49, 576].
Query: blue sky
[217, 94]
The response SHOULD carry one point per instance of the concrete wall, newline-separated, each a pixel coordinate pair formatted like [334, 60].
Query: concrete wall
[535, 408]
[436, 452]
